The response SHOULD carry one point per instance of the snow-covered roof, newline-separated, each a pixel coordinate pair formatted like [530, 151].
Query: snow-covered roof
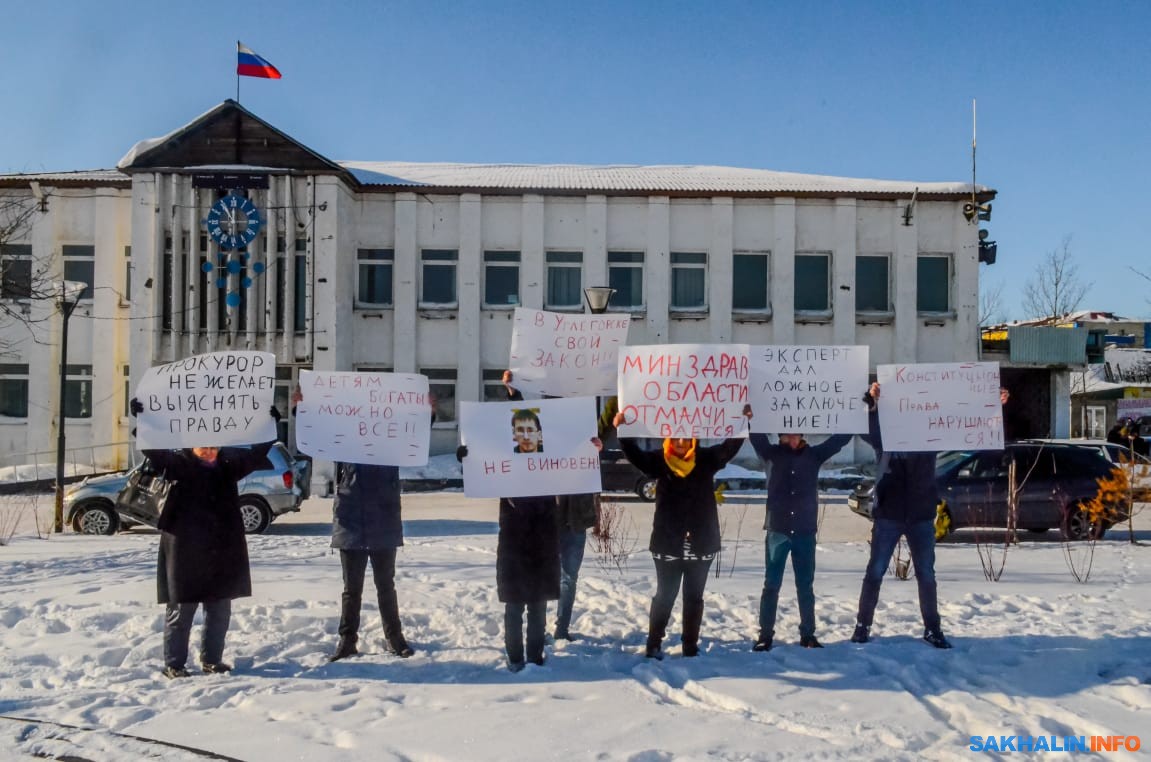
[85, 176]
[626, 177]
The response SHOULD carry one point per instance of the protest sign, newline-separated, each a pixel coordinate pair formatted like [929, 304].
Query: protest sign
[518, 449]
[217, 399]
[351, 417]
[808, 389]
[560, 355]
[940, 406]
[684, 390]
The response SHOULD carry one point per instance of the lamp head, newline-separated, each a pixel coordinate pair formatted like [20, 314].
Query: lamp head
[598, 297]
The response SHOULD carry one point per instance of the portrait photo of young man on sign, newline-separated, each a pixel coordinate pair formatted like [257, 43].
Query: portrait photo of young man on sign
[527, 431]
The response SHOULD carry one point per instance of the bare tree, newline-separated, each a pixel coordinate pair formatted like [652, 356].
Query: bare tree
[991, 303]
[1056, 288]
[23, 278]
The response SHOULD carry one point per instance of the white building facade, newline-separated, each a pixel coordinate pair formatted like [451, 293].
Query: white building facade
[418, 267]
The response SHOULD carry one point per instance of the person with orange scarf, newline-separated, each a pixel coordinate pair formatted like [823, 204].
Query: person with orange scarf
[685, 531]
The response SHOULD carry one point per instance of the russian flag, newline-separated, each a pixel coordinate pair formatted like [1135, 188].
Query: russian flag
[251, 65]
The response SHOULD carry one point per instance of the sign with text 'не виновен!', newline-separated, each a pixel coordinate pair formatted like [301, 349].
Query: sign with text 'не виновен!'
[940, 406]
[684, 390]
[358, 417]
[539, 447]
[217, 399]
[560, 355]
[808, 389]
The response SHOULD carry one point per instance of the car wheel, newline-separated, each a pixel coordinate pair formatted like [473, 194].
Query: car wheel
[1076, 525]
[95, 517]
[645, 488]
[255, 513]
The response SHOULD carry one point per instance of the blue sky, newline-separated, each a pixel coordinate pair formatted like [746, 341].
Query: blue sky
[861, 89]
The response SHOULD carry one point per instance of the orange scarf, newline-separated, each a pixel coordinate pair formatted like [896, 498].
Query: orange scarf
[681, 467]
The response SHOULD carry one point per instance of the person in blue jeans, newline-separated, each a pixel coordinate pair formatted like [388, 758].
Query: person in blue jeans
[791, 524]
[904, 506]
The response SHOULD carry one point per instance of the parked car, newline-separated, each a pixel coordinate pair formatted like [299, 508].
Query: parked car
[1138, 467]
[1057, 480]
[619, 475]
[90, 505]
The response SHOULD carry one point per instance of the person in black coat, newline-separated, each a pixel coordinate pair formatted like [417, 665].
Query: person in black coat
[366, 527]
[791, 524]
[203, 557]
[905, 504]
[527, 570]
[685, 531]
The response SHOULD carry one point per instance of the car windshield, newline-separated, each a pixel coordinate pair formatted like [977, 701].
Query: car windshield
[945, 460]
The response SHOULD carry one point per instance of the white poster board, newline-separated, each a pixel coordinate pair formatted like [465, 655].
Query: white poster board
[684, 390]
[358, 417]
[561, 355]
[217, 399]
[539, 447]
[808, 389]
[940, 406]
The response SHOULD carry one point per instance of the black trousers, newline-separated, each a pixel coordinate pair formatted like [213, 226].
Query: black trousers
[178, 619]
[355, 564]
[669, 574]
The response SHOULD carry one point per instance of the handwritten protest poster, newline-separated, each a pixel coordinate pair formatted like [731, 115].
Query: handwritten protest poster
[537, 447]
[808, 389]
[940, 406]
[217, 399]
[351, 417]
[684, 390]
[561, 355]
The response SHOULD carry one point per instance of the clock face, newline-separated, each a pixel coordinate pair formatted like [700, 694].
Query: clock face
[233, 222]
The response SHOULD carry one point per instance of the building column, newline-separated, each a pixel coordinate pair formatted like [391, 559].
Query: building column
[783, 273]
[406, 294]
[533, 279]
[720, 264]
[469, 293]
[906, 266]
[657, 268]
[843, 272]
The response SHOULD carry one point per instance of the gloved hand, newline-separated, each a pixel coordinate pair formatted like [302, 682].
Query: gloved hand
[272, 411]
[461, 453]
[136, 406]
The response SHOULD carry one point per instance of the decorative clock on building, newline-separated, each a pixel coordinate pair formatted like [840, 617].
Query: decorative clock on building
[233, 222]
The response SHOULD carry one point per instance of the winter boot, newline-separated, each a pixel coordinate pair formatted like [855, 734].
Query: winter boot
[862, 634]
[653, 650]
[345, 648]
[809, 641]
[936, 638]
[764, 642]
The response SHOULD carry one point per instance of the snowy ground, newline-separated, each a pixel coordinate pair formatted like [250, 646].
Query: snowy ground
[1035, 654]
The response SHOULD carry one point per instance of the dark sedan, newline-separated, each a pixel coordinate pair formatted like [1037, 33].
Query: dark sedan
[1055, 481]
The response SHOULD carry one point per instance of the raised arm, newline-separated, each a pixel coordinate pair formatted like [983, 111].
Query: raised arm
[834, 444]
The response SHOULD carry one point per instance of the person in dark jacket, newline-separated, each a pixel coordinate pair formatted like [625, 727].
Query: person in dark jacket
[685, 531]
[527, 570]
[575, 514]
[905, 504]
[367, 527]
[203, 557]
[791, 523]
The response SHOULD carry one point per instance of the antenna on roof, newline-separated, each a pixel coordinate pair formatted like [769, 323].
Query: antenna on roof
[973, 208]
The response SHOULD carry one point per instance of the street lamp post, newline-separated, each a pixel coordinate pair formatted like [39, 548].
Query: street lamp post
[70, 292]
[597, 298]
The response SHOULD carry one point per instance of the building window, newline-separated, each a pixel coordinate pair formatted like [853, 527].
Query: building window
[501, 278]
[300, 318]
[625, 275]
[16, 270]
[127, 296]
[494, 389]
[127, 371]
[13, 391]
[933, 283]
[749, 281]
[80, 265]
[1094, 422]
[78, 391]
[374, 275]
[873, 283]
[442, 386]
[812, 282]
[438, 278]
[688, 280]
[565, 280]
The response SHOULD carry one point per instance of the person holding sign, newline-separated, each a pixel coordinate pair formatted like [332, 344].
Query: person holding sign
[366, 527]
[905, 506]
[203, 556]
[685, 532]
[791, 523]
[575, 514]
